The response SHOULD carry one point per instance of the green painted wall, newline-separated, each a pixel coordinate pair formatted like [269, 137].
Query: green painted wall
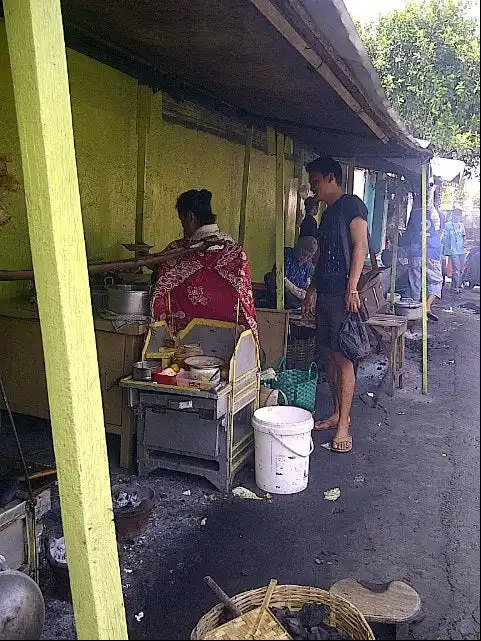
[104, 107]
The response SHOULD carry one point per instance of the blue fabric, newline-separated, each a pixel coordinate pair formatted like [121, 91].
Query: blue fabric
[299, 275]
[412, 238]
[454, 238]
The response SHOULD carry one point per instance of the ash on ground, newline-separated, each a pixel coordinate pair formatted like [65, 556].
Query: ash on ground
[57, 550]
[127, 500]
[174, 516]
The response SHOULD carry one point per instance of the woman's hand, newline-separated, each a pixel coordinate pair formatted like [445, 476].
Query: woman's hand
[353, 302]
[309, 303]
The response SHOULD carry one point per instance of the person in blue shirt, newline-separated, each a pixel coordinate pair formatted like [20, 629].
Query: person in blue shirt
[454, 241]
[298, 272]
[411, 241]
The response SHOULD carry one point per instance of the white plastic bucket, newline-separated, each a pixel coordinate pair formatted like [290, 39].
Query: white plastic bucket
[283, 444]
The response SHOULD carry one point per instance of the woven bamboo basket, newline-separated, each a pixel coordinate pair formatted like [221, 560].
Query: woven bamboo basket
[345, 617]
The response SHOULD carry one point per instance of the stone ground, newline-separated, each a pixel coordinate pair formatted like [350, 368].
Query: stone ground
[409, 507]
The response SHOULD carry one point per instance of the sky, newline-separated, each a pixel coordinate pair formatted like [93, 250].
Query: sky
[367, 10]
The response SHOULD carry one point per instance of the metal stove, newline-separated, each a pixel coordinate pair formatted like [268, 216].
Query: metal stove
[206, 432]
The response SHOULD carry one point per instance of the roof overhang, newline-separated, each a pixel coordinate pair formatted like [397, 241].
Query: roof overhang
[295, 65]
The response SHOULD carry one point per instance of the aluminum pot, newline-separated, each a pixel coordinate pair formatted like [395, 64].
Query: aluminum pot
[129, 300]
[409, 308]
[142, 371]
[205, 368]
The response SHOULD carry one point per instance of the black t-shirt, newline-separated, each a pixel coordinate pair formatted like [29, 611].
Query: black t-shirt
[308, 227]
[331, 271]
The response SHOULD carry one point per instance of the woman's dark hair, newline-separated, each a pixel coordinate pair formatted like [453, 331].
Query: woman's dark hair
[198, 204]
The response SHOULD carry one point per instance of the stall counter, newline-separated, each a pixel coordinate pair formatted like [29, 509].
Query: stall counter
[23, 371]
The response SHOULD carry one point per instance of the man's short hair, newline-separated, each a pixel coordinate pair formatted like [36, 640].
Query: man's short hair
[325, 165]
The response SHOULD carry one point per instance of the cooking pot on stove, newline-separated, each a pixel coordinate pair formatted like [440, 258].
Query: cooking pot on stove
[205, 368]
[129, 300]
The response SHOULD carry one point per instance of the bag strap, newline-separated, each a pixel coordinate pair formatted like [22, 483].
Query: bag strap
[347, 248]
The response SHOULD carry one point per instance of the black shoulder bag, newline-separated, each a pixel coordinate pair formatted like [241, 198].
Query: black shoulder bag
[369, 285]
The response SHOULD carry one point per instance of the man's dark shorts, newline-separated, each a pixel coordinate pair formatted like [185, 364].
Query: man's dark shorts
[330, 315]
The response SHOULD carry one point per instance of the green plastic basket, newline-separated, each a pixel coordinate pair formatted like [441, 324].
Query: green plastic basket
[299, 386]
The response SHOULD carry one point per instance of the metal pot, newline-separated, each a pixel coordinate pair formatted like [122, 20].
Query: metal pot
[205, 368]
[129, 300]
[22, 608]
[142, 371]
[409, 308]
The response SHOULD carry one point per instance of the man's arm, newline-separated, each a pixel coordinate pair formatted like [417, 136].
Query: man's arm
[358, 230]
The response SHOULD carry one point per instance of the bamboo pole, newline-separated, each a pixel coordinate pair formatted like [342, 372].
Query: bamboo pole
[121, 265]
[144, 106]
[280, 225]
[245, 183]
[40, 83]
[424, 282]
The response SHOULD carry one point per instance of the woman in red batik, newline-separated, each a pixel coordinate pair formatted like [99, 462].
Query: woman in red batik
[214, 284]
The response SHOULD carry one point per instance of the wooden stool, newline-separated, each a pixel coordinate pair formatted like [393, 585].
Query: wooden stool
[395, 603]
[392, 329]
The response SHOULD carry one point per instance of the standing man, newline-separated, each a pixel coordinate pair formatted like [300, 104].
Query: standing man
[454, 239]
[336, 285]
[309, 223]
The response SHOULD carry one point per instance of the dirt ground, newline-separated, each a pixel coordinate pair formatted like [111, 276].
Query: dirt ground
[409, 507]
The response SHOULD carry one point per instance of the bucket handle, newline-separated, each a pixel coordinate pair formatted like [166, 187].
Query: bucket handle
[279, 440]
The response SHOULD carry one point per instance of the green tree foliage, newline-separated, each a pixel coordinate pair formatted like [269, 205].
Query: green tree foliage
[427, 56]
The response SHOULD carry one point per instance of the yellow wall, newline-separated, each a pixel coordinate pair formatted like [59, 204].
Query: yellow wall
[104, 111]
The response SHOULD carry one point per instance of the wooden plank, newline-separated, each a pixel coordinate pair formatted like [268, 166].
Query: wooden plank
[271, 141]
[40, 82]
[280, 225]
[273, 326]
[350, 176]
[245, 184]
[144, 106]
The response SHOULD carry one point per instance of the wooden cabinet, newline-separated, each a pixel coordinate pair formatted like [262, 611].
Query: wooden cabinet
[23, 370]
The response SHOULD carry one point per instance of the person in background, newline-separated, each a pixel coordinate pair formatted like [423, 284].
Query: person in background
[454, 242]
[309, 223]
[214, 284]
[298, 272]
[411, 242]
[336, 284]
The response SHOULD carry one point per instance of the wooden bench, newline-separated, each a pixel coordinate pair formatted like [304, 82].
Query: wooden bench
[396, 603]
[391, 330]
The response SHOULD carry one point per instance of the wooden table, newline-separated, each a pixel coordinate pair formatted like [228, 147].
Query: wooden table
[392, 329]
[23, 370]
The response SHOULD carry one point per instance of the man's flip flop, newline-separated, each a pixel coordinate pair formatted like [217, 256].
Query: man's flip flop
[338, 450]
[328, 426]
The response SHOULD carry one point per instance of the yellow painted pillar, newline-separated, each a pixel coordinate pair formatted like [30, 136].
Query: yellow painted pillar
[245, 184]
[144, 106]
[280, 225]
[40, 82]
[424, 282]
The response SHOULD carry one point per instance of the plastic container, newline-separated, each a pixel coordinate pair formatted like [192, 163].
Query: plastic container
[283, 444]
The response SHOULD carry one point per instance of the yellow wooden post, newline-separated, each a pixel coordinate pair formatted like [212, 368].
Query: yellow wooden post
[245, 184]
[40, 82]
[424, 282]
[144, 105]
[280, 226]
